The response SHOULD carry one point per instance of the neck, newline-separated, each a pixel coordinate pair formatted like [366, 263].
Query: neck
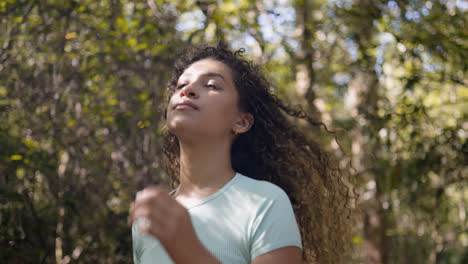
[205, 167]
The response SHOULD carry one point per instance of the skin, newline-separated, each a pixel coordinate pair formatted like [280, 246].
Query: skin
[205, 133]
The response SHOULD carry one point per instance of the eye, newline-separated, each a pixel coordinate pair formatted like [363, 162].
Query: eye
[180, 86]
[213, 86]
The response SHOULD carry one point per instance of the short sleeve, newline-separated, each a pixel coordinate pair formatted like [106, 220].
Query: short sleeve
[146, 248]
[274, 226]
[136, 243]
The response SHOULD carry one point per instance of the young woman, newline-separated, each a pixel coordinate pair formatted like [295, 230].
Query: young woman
[250, 187]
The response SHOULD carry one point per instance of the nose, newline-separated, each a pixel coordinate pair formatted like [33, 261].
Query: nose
[188, 91]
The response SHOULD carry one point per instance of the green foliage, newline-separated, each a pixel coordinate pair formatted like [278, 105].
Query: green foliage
[81, 83]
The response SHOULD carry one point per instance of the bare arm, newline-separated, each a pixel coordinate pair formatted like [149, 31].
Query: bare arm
[290, 255]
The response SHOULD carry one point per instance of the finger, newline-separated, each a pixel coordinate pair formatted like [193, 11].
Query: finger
[152, 190]
[156, 199]
[151, 225]
[141, 211]
[142, 198]
[129, 220]
[157, 206]
[152, 206]
[137, 210]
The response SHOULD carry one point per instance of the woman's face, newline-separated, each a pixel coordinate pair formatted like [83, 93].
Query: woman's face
[204, 102]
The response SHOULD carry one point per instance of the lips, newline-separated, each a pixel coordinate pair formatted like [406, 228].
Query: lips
[185, 105]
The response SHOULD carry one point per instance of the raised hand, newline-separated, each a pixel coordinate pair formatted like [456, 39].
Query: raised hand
[169, 222]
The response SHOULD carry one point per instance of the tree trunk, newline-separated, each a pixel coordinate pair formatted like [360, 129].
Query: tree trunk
[364, 89]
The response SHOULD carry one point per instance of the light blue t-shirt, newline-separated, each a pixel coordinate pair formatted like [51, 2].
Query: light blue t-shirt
[243, 220]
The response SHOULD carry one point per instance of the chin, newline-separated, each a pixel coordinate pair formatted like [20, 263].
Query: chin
[181, 127]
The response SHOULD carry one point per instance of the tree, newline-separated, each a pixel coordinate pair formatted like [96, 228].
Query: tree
[81, 83]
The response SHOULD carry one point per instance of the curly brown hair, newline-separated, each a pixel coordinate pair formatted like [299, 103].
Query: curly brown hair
[275, 150]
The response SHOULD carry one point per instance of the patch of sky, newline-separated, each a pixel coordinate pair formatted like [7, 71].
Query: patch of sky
[279, 54]
[331, 13]
[412, 14]
[393, 9]
[380, 53]
[341, 78]
[396, 25]
[245, 41]
[190, 21]
[342, 3]
[169, 8]
[428, 63]
[462, 5]
[424, 11]
[378, 69]
[431, 67]
[352, 49]
[268, 29]
[278, 22]
[385, 38]
[392, 5]
[293, 43]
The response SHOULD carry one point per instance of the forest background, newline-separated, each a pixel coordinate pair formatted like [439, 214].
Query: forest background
[80, 128]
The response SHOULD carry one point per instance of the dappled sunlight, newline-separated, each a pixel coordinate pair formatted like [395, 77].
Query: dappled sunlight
[82, 82]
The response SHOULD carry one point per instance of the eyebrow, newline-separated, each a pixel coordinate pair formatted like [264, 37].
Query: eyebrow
[210, 74]
[214, 74]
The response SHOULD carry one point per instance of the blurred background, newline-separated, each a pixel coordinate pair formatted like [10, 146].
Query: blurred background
[81, 83]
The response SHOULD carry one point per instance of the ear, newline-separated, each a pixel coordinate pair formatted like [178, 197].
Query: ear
[244, 123]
